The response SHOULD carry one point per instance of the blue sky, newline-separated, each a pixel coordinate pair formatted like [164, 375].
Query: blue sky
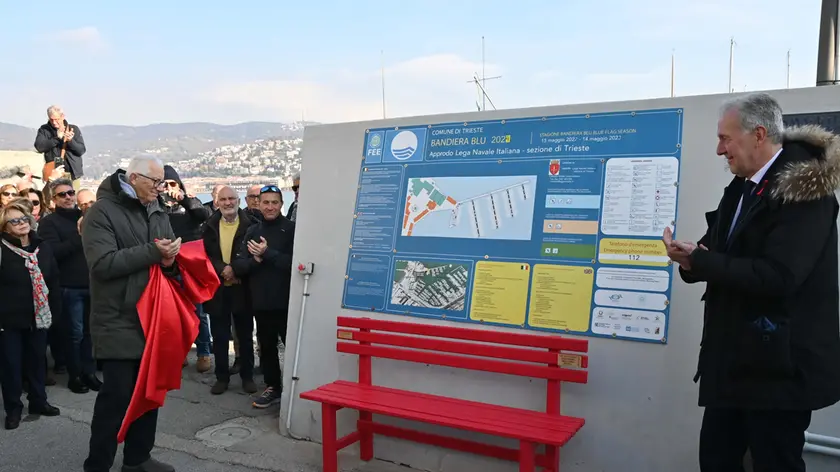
[227, 62]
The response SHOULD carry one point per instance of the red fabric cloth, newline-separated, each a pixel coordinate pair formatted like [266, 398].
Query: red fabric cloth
[167, 314]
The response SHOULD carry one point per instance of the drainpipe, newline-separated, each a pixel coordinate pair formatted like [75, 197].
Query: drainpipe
[305, 270]
[819, 444]
[829, 47]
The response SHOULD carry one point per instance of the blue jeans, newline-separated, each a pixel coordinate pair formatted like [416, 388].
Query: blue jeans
[76, 317]
[202, 342]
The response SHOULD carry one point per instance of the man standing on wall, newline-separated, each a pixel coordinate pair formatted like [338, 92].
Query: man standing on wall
[265, 259]
[62, 145]
[770, 346]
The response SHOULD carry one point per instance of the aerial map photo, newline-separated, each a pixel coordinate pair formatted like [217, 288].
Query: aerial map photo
[431, 284]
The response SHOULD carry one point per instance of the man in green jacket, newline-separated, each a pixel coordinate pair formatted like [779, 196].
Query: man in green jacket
[123, 234]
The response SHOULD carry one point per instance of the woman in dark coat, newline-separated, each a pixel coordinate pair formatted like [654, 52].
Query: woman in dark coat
[30, 293]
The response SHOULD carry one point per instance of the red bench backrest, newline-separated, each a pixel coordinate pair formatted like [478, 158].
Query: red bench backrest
[553, 358]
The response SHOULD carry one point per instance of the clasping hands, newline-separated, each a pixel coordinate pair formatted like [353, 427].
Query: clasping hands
[168, 249]
[679, 251]
[257, 249]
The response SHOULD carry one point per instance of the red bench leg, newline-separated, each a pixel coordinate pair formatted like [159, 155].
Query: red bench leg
[329, 440]
[526, 456]
[553, 455]
[366, 437]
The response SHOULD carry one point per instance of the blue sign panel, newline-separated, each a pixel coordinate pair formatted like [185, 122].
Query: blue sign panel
[547, 223]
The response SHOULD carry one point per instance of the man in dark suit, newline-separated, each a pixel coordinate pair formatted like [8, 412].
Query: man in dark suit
[770, 346]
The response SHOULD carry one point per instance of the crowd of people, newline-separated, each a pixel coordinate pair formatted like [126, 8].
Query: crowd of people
[74, 263]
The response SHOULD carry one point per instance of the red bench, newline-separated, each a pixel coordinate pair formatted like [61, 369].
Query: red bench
[527, 355]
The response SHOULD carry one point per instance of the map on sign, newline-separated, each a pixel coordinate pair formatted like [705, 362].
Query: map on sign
[470, 207]
[428, 284]
[546, 223]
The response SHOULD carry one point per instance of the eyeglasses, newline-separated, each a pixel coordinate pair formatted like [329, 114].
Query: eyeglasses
[253, 196]
[69, 193]
[9, 194]
[35, 202]
[158, 183]
[18, 221]
[172, 183]
[270, 188]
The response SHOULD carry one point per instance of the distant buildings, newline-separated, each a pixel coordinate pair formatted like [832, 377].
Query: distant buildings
[266, 157]
[275, 160]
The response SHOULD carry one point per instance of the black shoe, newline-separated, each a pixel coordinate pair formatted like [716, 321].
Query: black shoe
[269, 397]
[219, 387]
[49, 380]
[249, 386]
[12, 420]
[44, 410]
[236, 367]
[60, 370]
[92, 382]
[150, 465]
[76, 385]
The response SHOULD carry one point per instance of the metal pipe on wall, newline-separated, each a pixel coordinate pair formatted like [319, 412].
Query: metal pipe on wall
[829, 53]
[306, 270]
[826, 451]
[819, 439]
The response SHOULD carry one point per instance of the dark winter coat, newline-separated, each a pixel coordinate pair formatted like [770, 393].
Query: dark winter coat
[118, 235]
[17, 311]
[268, 281]
[48, 143]
[770, 336]
[60, 229]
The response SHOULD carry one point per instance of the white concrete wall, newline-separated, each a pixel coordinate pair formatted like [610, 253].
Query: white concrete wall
[640, 403]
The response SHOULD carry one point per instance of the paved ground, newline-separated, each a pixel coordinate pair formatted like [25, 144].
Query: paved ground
[186, 435]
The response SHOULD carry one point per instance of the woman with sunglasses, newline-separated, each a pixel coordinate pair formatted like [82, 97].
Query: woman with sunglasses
[8, 193]
[30, 293]
[39, 205]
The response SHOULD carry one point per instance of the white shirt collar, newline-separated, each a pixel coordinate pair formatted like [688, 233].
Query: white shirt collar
[760, 174]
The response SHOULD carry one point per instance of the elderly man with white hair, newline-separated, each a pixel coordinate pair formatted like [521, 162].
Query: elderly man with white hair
[125, 233]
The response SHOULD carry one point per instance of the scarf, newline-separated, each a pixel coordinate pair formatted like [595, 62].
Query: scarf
[40, 292]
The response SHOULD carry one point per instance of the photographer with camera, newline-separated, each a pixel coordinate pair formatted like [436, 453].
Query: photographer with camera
[187, 216]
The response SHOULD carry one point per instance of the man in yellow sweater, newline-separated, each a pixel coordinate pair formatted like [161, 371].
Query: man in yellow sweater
[221, 234]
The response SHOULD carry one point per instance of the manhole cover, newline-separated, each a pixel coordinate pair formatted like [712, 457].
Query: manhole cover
[226, 435]
[231, 432]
